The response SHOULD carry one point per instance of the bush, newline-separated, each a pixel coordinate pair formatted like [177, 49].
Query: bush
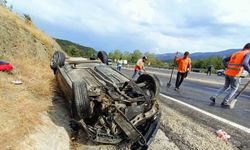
[3, 3]
[135, 55]
[215, 61]
[27, 18]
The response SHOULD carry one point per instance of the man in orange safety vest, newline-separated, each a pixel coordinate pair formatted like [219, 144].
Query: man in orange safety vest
[235, 64]
[184, 66]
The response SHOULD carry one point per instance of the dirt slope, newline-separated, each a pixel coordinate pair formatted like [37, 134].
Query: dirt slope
[28, 49]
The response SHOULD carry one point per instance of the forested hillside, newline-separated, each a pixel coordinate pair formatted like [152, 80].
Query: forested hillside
[74, 49]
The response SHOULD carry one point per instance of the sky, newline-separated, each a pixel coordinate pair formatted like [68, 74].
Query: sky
[156, 26]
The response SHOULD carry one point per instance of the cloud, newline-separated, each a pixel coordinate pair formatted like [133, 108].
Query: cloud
[150, 25]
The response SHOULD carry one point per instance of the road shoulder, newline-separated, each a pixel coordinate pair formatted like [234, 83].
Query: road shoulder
[193, 130]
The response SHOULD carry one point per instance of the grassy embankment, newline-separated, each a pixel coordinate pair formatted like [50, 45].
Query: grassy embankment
[29, 50]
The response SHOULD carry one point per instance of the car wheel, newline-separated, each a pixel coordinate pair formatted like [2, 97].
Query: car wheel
[81, 103]
[152, 84]
[102, 55]
[58, 59]
[219, 73]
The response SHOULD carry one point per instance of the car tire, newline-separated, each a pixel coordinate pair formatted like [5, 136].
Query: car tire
[219, 74]
[80, 103]
[152, 84]
[102, 55]
[58, 59]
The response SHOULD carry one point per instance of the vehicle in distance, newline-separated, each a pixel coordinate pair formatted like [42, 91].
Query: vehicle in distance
[109, 61]
[221, 73]
[107, 105]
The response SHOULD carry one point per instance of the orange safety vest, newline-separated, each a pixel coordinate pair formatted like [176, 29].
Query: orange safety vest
[235, 67]
[183, 64]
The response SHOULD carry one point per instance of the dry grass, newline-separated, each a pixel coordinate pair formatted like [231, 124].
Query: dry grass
[36, 33]
[29, 52]
[22, 104]
[35, 74]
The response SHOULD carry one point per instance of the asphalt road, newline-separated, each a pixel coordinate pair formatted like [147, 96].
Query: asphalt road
[201, 76]
[197, 89]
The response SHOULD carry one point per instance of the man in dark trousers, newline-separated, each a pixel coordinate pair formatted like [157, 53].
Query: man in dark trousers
[209, 70]
[235, 64]
[184, 66]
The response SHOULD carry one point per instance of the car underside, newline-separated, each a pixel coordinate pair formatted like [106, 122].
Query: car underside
[107, 105]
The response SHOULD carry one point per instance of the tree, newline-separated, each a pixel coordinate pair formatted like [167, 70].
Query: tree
[89, 53]
[136, 55]
[215, 61]
[3, 3]
[151, 58]
[111, 55]
[73, 51]
[27, 18]
[126, 55]
[11, 8]
[117, 54]
[153, 61]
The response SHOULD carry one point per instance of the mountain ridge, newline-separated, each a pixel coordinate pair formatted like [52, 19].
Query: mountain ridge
[198, 55]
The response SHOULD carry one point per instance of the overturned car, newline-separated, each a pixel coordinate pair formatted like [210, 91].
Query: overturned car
[107, 105]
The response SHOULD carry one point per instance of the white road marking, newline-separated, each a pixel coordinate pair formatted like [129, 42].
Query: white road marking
[188, 78]
[238, 126]
[246, 96]
[215, 89]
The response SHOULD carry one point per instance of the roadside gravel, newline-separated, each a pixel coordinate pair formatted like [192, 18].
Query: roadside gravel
[177, 131]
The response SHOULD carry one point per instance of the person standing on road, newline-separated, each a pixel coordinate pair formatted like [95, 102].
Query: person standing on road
[139, 66]
[119, 64]
[235, 64]
[209, 70]
[184, 66]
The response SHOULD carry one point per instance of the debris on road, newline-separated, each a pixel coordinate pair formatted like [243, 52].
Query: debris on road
[222, 134]
[188, 133]
[17, 82]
